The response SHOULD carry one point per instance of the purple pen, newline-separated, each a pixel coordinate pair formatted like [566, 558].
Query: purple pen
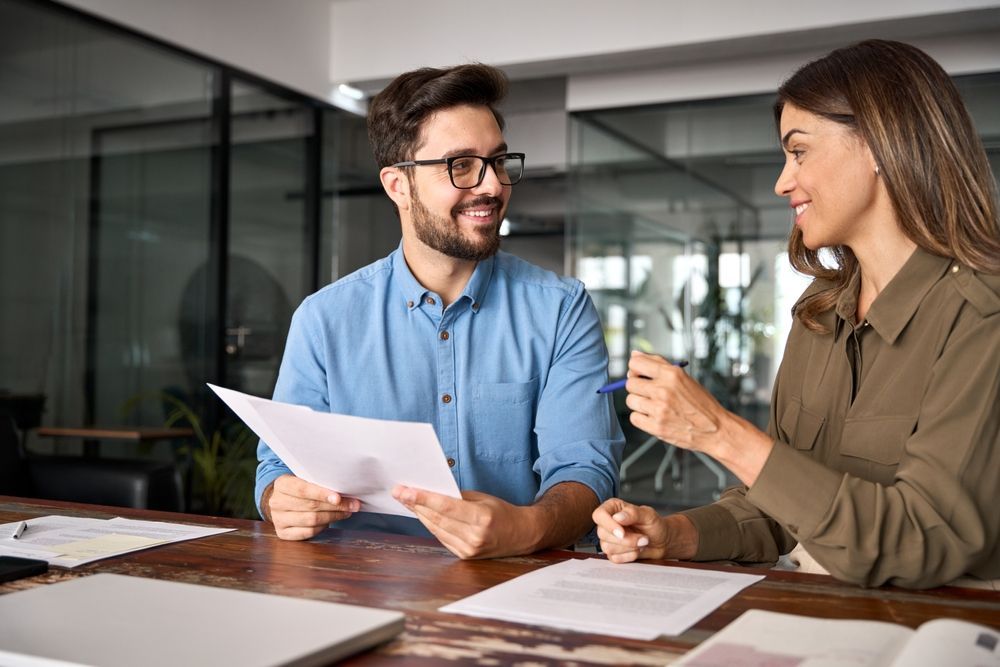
[620, 384]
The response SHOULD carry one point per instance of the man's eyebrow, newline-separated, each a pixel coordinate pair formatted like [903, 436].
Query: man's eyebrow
[501, 148]
[788, 135]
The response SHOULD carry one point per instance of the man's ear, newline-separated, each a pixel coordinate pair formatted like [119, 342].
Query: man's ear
[397, 186]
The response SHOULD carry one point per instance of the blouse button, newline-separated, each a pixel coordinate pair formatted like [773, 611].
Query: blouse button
[444, 335]
[446, 398]
[451, 462]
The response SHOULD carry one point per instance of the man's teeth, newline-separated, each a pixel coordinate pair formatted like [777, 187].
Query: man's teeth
[800, 209]
[479, 214]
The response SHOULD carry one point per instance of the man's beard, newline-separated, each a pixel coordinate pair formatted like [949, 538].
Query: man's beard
[445, 236]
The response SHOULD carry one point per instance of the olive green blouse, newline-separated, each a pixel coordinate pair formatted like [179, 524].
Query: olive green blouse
[886, 459]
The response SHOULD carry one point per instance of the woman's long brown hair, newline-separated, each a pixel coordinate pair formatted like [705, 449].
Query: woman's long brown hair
[908, 111]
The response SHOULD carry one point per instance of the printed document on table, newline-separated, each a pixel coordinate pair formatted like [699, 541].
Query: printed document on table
[634, 600]
[355, 456]
[69, 541]
[761, 637]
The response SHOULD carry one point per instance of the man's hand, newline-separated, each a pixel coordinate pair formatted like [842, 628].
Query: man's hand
[629, 532]
[300, 510]
[476, 526]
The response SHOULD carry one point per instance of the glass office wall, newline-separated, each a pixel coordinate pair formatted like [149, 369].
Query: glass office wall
[160, 217]
[270, 231]
[367, 222]
[148, 221]
[677, 233]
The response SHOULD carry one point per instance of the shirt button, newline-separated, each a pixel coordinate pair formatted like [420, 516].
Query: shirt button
[430, 301]
[475, 306]
[446, 398]
[444, 335]
[451, 462]
[409, 304]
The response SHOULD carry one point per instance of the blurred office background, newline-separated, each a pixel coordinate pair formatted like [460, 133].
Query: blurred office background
[176, 177]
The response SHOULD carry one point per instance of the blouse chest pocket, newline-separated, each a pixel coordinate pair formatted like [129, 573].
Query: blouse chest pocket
[876, 439]
[503, 419]
[800, 426]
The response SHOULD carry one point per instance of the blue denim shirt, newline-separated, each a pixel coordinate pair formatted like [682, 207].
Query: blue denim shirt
[507, 375]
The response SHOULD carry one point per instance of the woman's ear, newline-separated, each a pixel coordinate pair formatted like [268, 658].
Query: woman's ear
[876, 169]
[397, 186]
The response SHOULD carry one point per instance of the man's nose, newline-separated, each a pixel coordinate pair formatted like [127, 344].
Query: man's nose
[490, 185]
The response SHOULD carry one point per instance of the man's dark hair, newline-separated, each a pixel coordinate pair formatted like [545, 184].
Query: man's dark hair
[396, 114]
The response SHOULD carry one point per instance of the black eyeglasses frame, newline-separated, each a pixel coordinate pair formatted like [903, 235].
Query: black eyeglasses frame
[486, 161]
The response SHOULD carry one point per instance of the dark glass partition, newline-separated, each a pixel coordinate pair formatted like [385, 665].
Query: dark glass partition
[160, 217]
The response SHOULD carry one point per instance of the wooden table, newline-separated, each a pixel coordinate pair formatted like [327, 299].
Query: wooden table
[92, 435]
[418, 576]
[129, 433]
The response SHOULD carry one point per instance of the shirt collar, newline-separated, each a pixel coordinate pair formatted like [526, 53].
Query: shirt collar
[896, 305]
[413, 292]
[846, 307]
[475, 289]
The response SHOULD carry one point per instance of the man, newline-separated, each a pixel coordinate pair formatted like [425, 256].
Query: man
[502, 357]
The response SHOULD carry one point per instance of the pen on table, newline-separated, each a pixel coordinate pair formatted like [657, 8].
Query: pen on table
[620, 384]
[19, 530]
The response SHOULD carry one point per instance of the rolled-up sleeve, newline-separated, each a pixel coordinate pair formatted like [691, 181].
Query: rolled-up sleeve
[579, 438]
[301, 380]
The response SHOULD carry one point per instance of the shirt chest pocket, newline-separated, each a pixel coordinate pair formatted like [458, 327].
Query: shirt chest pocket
[503, 419]
[801, 427]
[876, 439]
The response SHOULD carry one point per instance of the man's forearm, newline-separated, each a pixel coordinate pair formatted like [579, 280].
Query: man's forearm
[562, 515]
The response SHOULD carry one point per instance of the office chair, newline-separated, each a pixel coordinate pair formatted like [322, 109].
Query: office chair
[671, 460]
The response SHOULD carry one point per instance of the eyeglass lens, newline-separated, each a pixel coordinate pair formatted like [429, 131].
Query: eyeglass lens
[468, 172]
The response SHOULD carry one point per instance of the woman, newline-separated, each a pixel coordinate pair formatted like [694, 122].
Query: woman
[882, 457]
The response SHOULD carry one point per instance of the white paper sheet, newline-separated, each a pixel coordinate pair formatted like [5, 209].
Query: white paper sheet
[70, 541]
[634, 600]
[357, 457]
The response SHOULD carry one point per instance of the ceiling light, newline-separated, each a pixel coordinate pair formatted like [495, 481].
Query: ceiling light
[350, 91]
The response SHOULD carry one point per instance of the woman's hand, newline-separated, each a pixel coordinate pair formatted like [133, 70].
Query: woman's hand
[668, 403]
[629, 532]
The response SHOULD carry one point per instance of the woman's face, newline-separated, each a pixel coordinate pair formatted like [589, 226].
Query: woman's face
[829, 179]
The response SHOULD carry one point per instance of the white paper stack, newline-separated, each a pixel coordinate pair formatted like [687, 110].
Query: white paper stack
[634, 600]
[69, 541]
[358, 457]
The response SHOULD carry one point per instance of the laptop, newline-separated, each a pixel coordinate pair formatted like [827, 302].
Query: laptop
[111, 620]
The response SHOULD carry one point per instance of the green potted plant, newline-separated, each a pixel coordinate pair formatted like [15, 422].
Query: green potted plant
[222, 463]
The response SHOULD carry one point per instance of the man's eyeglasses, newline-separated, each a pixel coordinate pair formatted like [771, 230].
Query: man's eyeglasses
[467, 171]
